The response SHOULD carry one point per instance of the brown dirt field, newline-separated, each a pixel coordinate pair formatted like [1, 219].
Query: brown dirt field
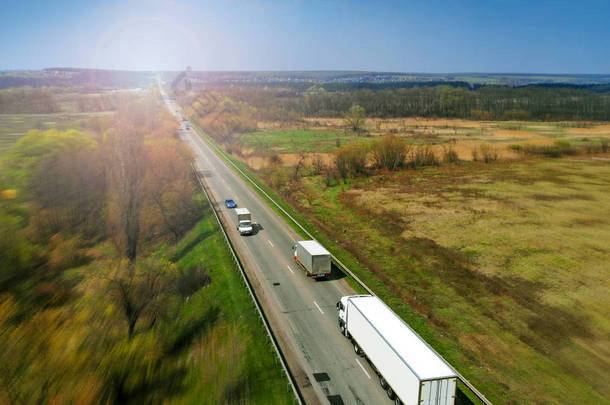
[275, 125]
[513, 133]
[291, 159]
[256, 162]
[288, 159]
[396, 123]
[464, 150]
[598, 130]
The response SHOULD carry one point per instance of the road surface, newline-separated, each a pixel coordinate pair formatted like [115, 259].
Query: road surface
[301, 310]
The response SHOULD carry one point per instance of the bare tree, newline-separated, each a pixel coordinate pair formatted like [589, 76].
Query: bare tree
[126, 168]
[317, 164]
[300, 164]
[140, 288]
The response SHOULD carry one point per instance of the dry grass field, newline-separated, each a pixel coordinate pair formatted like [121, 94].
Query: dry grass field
[508, 262]
[322, 135]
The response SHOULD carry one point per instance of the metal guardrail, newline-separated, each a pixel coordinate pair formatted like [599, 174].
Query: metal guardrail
[343, 267]
[259, 310]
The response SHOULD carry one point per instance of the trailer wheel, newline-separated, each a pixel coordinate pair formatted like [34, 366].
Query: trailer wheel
[342, 329]
[358, 350]
[391, 393]
[383, 382]
[397, 401]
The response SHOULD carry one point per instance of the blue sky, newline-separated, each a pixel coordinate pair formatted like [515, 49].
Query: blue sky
[407, 36]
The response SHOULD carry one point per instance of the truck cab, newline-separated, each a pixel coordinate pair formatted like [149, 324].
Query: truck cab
[342, 308]
[244, 221]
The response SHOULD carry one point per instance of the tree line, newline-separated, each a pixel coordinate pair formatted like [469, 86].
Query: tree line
[534, 102]
[27, 100]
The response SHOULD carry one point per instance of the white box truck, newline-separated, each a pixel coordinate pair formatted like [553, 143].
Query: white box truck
[409, 370]
[244, 221]
[313, 258]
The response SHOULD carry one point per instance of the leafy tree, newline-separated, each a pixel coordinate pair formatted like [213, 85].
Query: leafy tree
[354, 119]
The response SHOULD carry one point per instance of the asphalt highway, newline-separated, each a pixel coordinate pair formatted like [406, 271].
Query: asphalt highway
[300, 309]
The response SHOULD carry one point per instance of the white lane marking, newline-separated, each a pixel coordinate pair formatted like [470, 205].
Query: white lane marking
[290, 269]
[317, 306]
[363, 369]
[270, 243]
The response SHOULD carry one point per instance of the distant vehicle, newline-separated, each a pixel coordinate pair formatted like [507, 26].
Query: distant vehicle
[187, 125]
[409, 370]
[230, 203]
[244, 221]
[313, 258]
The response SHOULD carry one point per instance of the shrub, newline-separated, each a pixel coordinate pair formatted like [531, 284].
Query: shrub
[489, 153]
[351, 159]
[516, 147]
[274, 159]
[450, 155]
[389, 152]
[423, 156]
[552, 151]
[604, 143]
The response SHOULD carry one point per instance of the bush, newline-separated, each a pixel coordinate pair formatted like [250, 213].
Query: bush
[604, 143]
[516, 148]
[423, 156]
[544, 150]
[351, 159]
[450, 155]
[389, 152]
[486, 153]
[489, 153]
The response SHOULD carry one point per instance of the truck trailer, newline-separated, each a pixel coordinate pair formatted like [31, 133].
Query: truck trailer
[312, 256]
[244, 221]
[410, 371]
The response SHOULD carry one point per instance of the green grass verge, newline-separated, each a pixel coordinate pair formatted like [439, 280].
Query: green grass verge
[235, 360]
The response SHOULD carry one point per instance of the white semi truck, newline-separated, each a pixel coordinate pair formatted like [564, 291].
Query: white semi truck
[244, 221]
[313, 258]
[409, 370]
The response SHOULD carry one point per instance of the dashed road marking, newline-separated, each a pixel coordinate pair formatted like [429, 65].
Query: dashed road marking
[363, 369]
[270, 243]
[290, 269]
[317, 306]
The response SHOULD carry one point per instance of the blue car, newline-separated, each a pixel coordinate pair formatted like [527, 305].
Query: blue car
[230, 203]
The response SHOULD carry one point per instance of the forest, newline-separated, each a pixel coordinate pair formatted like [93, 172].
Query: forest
[543, 102]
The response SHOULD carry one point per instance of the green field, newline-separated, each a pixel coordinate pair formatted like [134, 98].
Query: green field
[293, 141]
[14, 126]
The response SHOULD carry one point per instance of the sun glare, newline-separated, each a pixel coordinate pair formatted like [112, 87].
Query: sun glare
[146, 44]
